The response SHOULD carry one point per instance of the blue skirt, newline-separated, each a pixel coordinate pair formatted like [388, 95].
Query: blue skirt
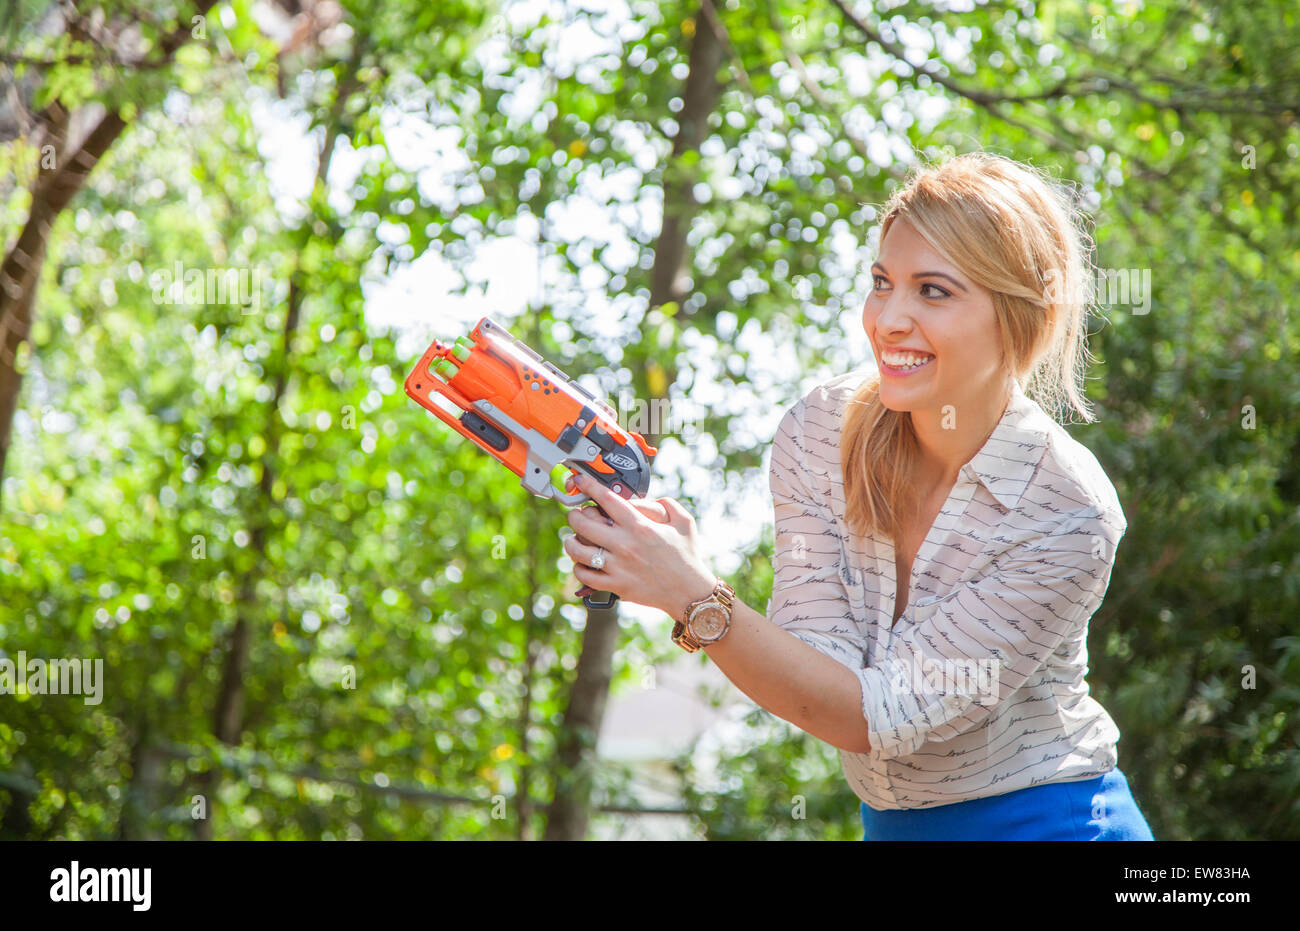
[1101, 808]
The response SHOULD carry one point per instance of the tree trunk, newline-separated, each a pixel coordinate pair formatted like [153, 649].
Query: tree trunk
[228, 715]
[570, 810]
[21, 271]
[699, 98]
[143, 798]
[54, 189]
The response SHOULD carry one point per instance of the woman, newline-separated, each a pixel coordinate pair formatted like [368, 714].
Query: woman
[941, 543]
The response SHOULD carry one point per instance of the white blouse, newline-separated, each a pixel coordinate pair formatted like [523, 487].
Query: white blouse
[979, 688]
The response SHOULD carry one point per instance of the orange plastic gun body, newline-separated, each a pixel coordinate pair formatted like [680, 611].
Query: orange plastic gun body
[529, 415]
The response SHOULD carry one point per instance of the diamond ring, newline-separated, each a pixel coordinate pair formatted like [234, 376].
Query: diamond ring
[598, 561]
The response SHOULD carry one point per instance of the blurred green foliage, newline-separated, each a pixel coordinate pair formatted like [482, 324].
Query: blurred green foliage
[180, 466]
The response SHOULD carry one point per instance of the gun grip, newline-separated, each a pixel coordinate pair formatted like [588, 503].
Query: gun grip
[587, 592]
[590, 601]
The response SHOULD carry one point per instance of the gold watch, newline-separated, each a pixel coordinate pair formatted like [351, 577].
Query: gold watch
[706, 621]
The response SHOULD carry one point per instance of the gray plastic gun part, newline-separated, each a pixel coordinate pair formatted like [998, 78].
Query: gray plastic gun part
[543, 455]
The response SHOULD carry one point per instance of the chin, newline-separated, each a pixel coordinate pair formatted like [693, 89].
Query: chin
[900, 401]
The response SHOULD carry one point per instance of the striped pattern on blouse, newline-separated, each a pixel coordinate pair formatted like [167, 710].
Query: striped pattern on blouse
[979, 688]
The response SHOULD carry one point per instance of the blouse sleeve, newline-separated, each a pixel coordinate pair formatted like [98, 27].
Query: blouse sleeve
[947, 674]
[809, 598]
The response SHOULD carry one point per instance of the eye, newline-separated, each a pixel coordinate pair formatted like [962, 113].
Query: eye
[942, 292]
[878, 281]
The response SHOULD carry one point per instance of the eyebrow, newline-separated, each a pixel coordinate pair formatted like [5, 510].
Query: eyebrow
[919, 275]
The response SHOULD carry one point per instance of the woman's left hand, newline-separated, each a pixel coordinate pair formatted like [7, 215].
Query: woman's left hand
[648, 561]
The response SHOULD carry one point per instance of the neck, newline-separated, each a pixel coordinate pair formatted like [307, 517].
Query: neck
[949, 437]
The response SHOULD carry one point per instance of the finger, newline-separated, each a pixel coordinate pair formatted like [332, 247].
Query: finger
[566, 537]
[599, 581]
[651, 509]
[580, 552]
[571, 487]
[614, 506]
[589, 523]
[591, 511]
[679, 518]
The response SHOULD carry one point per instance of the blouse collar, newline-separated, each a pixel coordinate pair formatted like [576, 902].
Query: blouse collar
[1006, 462]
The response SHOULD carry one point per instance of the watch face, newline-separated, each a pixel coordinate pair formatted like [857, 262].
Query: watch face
[708, 622]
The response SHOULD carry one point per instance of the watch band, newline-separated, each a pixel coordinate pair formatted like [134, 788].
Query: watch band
[682, 637]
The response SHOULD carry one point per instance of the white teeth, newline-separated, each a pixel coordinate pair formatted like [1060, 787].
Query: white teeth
[904, 360]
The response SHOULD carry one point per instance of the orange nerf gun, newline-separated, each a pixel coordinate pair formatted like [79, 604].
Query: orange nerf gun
[531, 417]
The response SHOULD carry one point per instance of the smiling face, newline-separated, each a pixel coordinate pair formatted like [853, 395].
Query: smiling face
[933, 330]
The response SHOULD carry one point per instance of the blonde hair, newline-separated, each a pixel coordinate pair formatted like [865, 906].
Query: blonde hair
[1015, 231]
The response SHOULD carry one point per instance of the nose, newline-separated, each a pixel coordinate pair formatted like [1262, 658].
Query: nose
[893, 316]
